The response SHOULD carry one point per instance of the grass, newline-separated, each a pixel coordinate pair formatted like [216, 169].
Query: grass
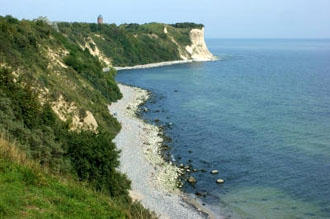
[31, 191]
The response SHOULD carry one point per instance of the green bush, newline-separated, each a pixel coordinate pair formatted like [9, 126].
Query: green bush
[95, 159]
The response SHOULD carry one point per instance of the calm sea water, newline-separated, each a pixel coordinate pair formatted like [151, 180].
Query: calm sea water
[261, 116]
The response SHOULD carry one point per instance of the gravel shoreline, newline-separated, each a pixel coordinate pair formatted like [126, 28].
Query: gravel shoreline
[160, 64]
[154, 65]
[153, 180]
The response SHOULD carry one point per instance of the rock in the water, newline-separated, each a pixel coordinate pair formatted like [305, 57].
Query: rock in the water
[214, 171]
[145, 109]
[219, 181]
[192, 180]
[203, 194]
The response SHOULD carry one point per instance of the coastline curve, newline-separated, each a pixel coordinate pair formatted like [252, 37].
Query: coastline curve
[152, 177]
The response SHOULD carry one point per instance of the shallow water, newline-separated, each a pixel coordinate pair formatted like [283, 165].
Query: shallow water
[261, 116]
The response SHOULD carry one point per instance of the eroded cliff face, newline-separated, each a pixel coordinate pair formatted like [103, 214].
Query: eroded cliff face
[198, 50]
[69, 110]
[95, 51]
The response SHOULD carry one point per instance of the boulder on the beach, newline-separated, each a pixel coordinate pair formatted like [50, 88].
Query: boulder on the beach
[192, 180]
[219, 181]
[214, 171]
[180, 185]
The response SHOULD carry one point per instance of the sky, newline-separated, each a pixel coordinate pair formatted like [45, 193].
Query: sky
[222, 18]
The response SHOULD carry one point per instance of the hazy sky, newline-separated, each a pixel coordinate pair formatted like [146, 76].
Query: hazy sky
[222, 18]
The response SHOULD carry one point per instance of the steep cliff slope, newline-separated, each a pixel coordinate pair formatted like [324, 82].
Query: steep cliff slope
[198, 50]
[53, 105]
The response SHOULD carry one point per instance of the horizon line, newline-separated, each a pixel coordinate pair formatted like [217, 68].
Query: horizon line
[267, 38]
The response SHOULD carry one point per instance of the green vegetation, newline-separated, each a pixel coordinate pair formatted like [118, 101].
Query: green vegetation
[26, 48]
[29, 190]
[90, 68]
[132, 44]
[188, 25]
[38, 66]
[33, 126]
[90, 156]
[94, 157]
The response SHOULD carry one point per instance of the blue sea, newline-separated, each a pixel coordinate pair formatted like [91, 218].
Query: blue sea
[260, 115]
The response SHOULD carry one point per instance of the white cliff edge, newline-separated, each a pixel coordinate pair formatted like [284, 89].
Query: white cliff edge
[198, 50]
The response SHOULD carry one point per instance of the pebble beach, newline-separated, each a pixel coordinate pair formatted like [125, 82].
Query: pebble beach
[154, 181]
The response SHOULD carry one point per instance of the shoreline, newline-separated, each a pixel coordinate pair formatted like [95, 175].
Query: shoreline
[161, 64]
[154, 181]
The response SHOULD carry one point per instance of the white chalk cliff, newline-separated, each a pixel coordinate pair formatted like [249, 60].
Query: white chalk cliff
[198, 50]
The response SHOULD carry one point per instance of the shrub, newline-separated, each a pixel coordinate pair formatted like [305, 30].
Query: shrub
[95, 159]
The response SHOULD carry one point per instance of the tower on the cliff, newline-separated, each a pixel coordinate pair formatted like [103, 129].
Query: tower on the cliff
[100, 19]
